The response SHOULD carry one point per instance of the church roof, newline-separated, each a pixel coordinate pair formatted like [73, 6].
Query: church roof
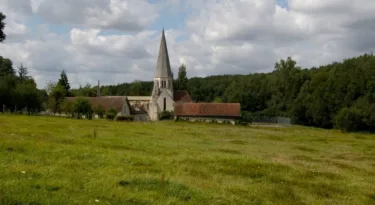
[181, 96]
[163, 67]
[208, 109]
[116, 102]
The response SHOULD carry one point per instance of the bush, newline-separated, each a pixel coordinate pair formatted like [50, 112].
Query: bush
[125, 118]
[349, 120]
[100, 111]
[111, 114]
[246, 118]
[166, 115]
[67, 107]
[82, 107]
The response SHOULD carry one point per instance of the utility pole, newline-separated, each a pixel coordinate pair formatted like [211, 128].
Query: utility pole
[98, 91]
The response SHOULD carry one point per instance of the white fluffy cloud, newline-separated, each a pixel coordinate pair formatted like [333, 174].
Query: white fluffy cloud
[220, 36]
[107, 14]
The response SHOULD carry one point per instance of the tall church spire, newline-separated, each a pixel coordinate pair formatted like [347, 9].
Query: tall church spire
[163, 67]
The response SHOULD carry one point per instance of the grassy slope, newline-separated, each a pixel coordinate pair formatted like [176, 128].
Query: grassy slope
[64, 163]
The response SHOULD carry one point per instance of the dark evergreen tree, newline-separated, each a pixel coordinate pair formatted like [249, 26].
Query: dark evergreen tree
[64, 82]
[2, 26]
[182, 80]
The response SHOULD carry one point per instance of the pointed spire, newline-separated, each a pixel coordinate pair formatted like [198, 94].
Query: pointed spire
[163, 67]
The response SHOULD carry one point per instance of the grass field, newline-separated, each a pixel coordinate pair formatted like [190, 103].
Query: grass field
[48, 160]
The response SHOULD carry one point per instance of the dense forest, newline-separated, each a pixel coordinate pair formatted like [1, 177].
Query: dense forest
[339, 95]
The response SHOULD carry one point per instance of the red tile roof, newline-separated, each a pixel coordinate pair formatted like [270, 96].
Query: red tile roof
[181, 96]
[116, 102]
[208, 109]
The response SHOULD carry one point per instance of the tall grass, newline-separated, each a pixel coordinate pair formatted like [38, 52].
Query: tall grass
[47, 160]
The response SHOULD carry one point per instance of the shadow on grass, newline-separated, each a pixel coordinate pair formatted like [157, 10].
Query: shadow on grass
[165, 188]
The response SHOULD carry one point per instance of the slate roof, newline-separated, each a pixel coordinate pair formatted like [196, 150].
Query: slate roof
[181, 96]
[163, 67]
[208, 109]
[116, 102]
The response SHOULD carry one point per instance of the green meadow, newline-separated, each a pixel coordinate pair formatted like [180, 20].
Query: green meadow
[51, 160]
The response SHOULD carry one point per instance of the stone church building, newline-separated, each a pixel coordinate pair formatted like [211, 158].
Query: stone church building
[163, 98]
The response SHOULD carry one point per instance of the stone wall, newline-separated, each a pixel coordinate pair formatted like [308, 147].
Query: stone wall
[209, 120]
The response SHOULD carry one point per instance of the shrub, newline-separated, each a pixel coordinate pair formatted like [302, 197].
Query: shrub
[111, 114]
[125, 118]
[100, 111]
[246, 118]
[348, 120]
[67, 107]
[82, 107]
[166, 115]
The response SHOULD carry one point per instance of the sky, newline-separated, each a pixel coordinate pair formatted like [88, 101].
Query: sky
[117, 41]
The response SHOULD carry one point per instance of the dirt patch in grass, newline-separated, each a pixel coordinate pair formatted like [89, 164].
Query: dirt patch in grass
[305, 149]
[228, 151]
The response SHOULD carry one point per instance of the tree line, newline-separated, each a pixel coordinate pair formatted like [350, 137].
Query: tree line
[338, 95]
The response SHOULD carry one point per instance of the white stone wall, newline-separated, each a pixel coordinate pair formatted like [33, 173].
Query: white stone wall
[168, 99]
[209, 120]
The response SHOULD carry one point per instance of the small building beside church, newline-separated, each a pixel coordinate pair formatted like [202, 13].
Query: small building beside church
[208, 112]
[163, 98]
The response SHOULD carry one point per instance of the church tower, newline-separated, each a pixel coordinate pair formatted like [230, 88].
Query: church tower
[162, 93]
[163, 79]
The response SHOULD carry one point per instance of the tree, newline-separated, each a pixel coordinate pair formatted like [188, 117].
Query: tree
[56, 97]
[6, 67]
[182, 80]
[82, 107]
[2, 26]
[22, 72]
[218, 100]
[136, 88]
[63, 82]
[27, 97]
[67, 107]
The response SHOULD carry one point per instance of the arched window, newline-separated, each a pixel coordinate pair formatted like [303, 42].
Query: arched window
[163, 84]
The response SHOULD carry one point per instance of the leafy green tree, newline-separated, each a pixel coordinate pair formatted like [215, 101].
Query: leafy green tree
[2, 26]
[56, 97]
[136, 88]
[348, 120]
[26, 96]
[82, 107]
[6, 67]
[86, 91]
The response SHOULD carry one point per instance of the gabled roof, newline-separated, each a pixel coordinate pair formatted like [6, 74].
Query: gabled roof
[208, 109]
[181, 96]
[163, 67]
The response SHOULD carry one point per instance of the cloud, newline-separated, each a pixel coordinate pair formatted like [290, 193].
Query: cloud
[219, 36]
[130, 15]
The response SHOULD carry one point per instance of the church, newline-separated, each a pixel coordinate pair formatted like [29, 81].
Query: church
[164, 98]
